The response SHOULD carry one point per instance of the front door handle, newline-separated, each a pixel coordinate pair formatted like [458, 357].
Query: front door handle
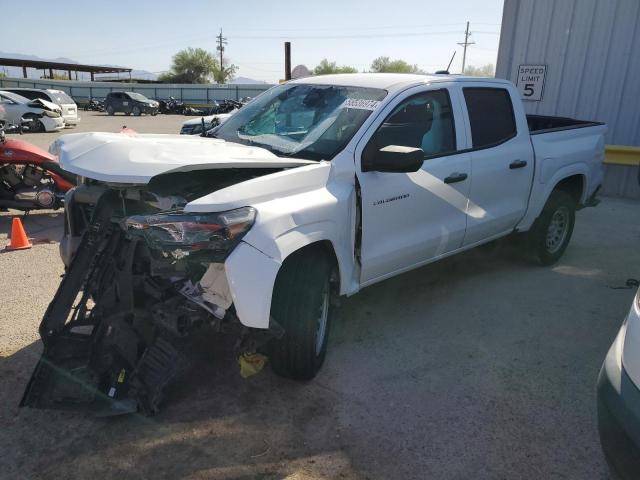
[517, 164]
[456, 177]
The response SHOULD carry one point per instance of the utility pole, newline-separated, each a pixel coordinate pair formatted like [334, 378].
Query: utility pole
[464, 44]
[222, 41]
[287, 60]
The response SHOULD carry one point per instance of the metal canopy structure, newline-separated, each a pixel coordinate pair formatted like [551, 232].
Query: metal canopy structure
[69, 67]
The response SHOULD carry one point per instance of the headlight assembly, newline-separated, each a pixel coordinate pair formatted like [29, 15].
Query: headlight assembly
[178, 234]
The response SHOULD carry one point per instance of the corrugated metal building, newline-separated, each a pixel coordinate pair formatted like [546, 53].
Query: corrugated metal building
[591, 50]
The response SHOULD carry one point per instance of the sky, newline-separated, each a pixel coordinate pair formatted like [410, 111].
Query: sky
[145, 34]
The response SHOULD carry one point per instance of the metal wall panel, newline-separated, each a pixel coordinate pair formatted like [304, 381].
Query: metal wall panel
[193, 94]
[592, 52]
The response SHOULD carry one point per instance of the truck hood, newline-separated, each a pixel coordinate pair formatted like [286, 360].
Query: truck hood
[136, 158]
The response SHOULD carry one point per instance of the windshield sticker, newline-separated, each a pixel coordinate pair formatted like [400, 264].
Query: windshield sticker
[360, 103]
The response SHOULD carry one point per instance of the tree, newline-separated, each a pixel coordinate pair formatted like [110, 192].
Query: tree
[193, 65]
[386, 65]
[325, 67]
[487, 70]
[226, 73]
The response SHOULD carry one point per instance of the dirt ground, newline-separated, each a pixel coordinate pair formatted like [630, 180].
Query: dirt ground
[481, 366]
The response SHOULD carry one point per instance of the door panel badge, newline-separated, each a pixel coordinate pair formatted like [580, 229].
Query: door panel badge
[390, 199]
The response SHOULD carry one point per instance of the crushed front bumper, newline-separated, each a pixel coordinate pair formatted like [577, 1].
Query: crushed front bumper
[115, 330]
[111, 333]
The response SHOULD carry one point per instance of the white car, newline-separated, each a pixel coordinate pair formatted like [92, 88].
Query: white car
[319, 187]
[619, 398]
[43, 115]
[194, 126]
[65, 102]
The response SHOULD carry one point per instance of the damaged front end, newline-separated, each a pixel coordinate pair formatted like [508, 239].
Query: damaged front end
[141, 276]
[48, 108]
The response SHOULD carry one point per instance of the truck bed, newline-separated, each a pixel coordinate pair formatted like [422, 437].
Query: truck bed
[544, 124]
[564, 148]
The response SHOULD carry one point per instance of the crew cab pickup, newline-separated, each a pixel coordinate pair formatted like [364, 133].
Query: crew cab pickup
[317, 188]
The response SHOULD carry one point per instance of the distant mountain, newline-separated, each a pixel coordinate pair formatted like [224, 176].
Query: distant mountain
[246, 81]
[31, 73]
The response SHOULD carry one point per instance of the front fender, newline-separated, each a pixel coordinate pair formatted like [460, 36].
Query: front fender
[284, 226]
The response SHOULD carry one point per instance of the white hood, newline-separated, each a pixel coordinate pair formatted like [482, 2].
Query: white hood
[136, 158]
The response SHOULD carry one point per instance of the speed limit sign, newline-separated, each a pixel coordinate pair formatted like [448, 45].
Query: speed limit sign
[530, 81]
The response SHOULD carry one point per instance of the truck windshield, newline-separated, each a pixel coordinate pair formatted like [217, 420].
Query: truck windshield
[300, 120]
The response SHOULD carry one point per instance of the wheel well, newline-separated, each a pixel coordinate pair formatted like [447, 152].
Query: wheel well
[324, 248]
[573, 185]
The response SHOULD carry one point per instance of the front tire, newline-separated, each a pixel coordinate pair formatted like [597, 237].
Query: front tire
[136, 111]
[552, 230]
[36, 125]
[110, 110]
[301, 305]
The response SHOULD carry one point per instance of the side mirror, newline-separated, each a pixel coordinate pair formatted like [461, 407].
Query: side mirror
[393, 158]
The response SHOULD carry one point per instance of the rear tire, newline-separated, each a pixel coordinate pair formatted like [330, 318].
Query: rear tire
[110, 110]
[301, 305]
[551, 232]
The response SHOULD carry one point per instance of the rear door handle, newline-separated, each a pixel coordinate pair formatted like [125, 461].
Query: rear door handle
[456, 177]
[517, 164]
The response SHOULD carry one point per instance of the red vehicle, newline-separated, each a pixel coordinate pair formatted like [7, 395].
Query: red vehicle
[30, 178]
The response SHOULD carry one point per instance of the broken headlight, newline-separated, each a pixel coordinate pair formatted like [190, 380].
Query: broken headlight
[180, 233]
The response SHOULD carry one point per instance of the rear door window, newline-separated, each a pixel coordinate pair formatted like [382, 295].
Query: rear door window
[61, 98]
[490, 115]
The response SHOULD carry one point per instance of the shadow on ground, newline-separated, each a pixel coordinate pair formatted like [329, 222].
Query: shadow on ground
[480, 366]
[467, 391]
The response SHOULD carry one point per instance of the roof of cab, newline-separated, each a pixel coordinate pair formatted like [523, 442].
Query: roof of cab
[389, 81]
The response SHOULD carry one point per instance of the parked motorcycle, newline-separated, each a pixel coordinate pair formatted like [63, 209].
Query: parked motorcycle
[171, 106]
[225, 106]
[30, 178]
[195, 111]
[94, 105]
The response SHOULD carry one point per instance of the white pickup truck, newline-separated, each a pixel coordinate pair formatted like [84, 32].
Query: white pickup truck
[317, 188]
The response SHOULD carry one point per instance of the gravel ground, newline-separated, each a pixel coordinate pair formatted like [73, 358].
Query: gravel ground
[480, 366]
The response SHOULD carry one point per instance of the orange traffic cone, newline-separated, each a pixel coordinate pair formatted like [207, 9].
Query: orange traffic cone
[19, 240]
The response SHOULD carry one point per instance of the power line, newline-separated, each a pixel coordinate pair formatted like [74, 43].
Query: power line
[327, 37]
[185, 40]
[352, 28]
